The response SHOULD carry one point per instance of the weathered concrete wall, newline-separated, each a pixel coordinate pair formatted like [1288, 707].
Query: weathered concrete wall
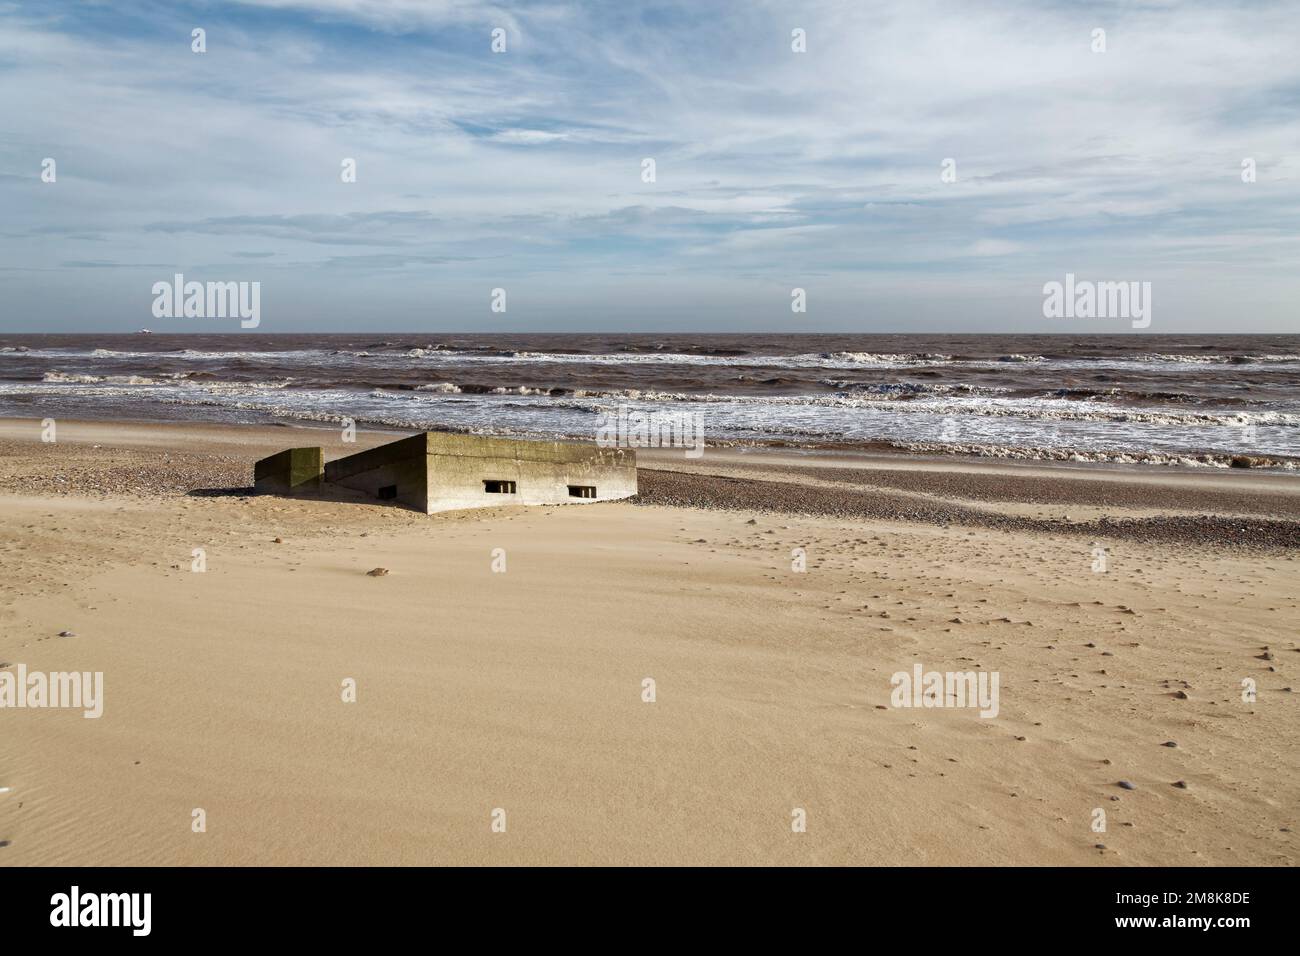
[442, 472]
[293, 471]
[542, 471]
[400, 467]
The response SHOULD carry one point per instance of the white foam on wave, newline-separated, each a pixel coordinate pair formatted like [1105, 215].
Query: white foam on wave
[985, 420]
[1029, 453]
[73, 378]
[520, 390]
[961, 402]
[882, 358]
[937, 401]
[163, 380]
[1214, 359]
[417, 356]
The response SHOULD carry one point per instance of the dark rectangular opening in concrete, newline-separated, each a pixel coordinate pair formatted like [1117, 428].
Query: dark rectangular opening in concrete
[495, 487]
[582, 491]
[387, 493]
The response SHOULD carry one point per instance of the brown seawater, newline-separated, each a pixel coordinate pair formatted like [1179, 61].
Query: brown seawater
[1120, 396]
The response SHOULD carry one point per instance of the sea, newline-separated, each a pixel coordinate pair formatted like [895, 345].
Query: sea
[1194, 400]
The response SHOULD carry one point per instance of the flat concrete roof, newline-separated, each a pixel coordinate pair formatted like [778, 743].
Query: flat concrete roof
[474, 446]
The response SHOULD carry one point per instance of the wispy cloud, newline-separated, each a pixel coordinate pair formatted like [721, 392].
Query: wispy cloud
[771, 166]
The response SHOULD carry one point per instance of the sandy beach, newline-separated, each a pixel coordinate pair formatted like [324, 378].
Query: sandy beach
[523, 691]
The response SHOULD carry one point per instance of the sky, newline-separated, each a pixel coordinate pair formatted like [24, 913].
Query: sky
[774, 169]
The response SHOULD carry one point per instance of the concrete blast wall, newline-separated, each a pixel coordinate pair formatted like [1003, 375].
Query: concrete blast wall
[294, 471]
[399, 469]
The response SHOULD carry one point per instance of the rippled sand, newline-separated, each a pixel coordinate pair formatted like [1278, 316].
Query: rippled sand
[524, 691]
